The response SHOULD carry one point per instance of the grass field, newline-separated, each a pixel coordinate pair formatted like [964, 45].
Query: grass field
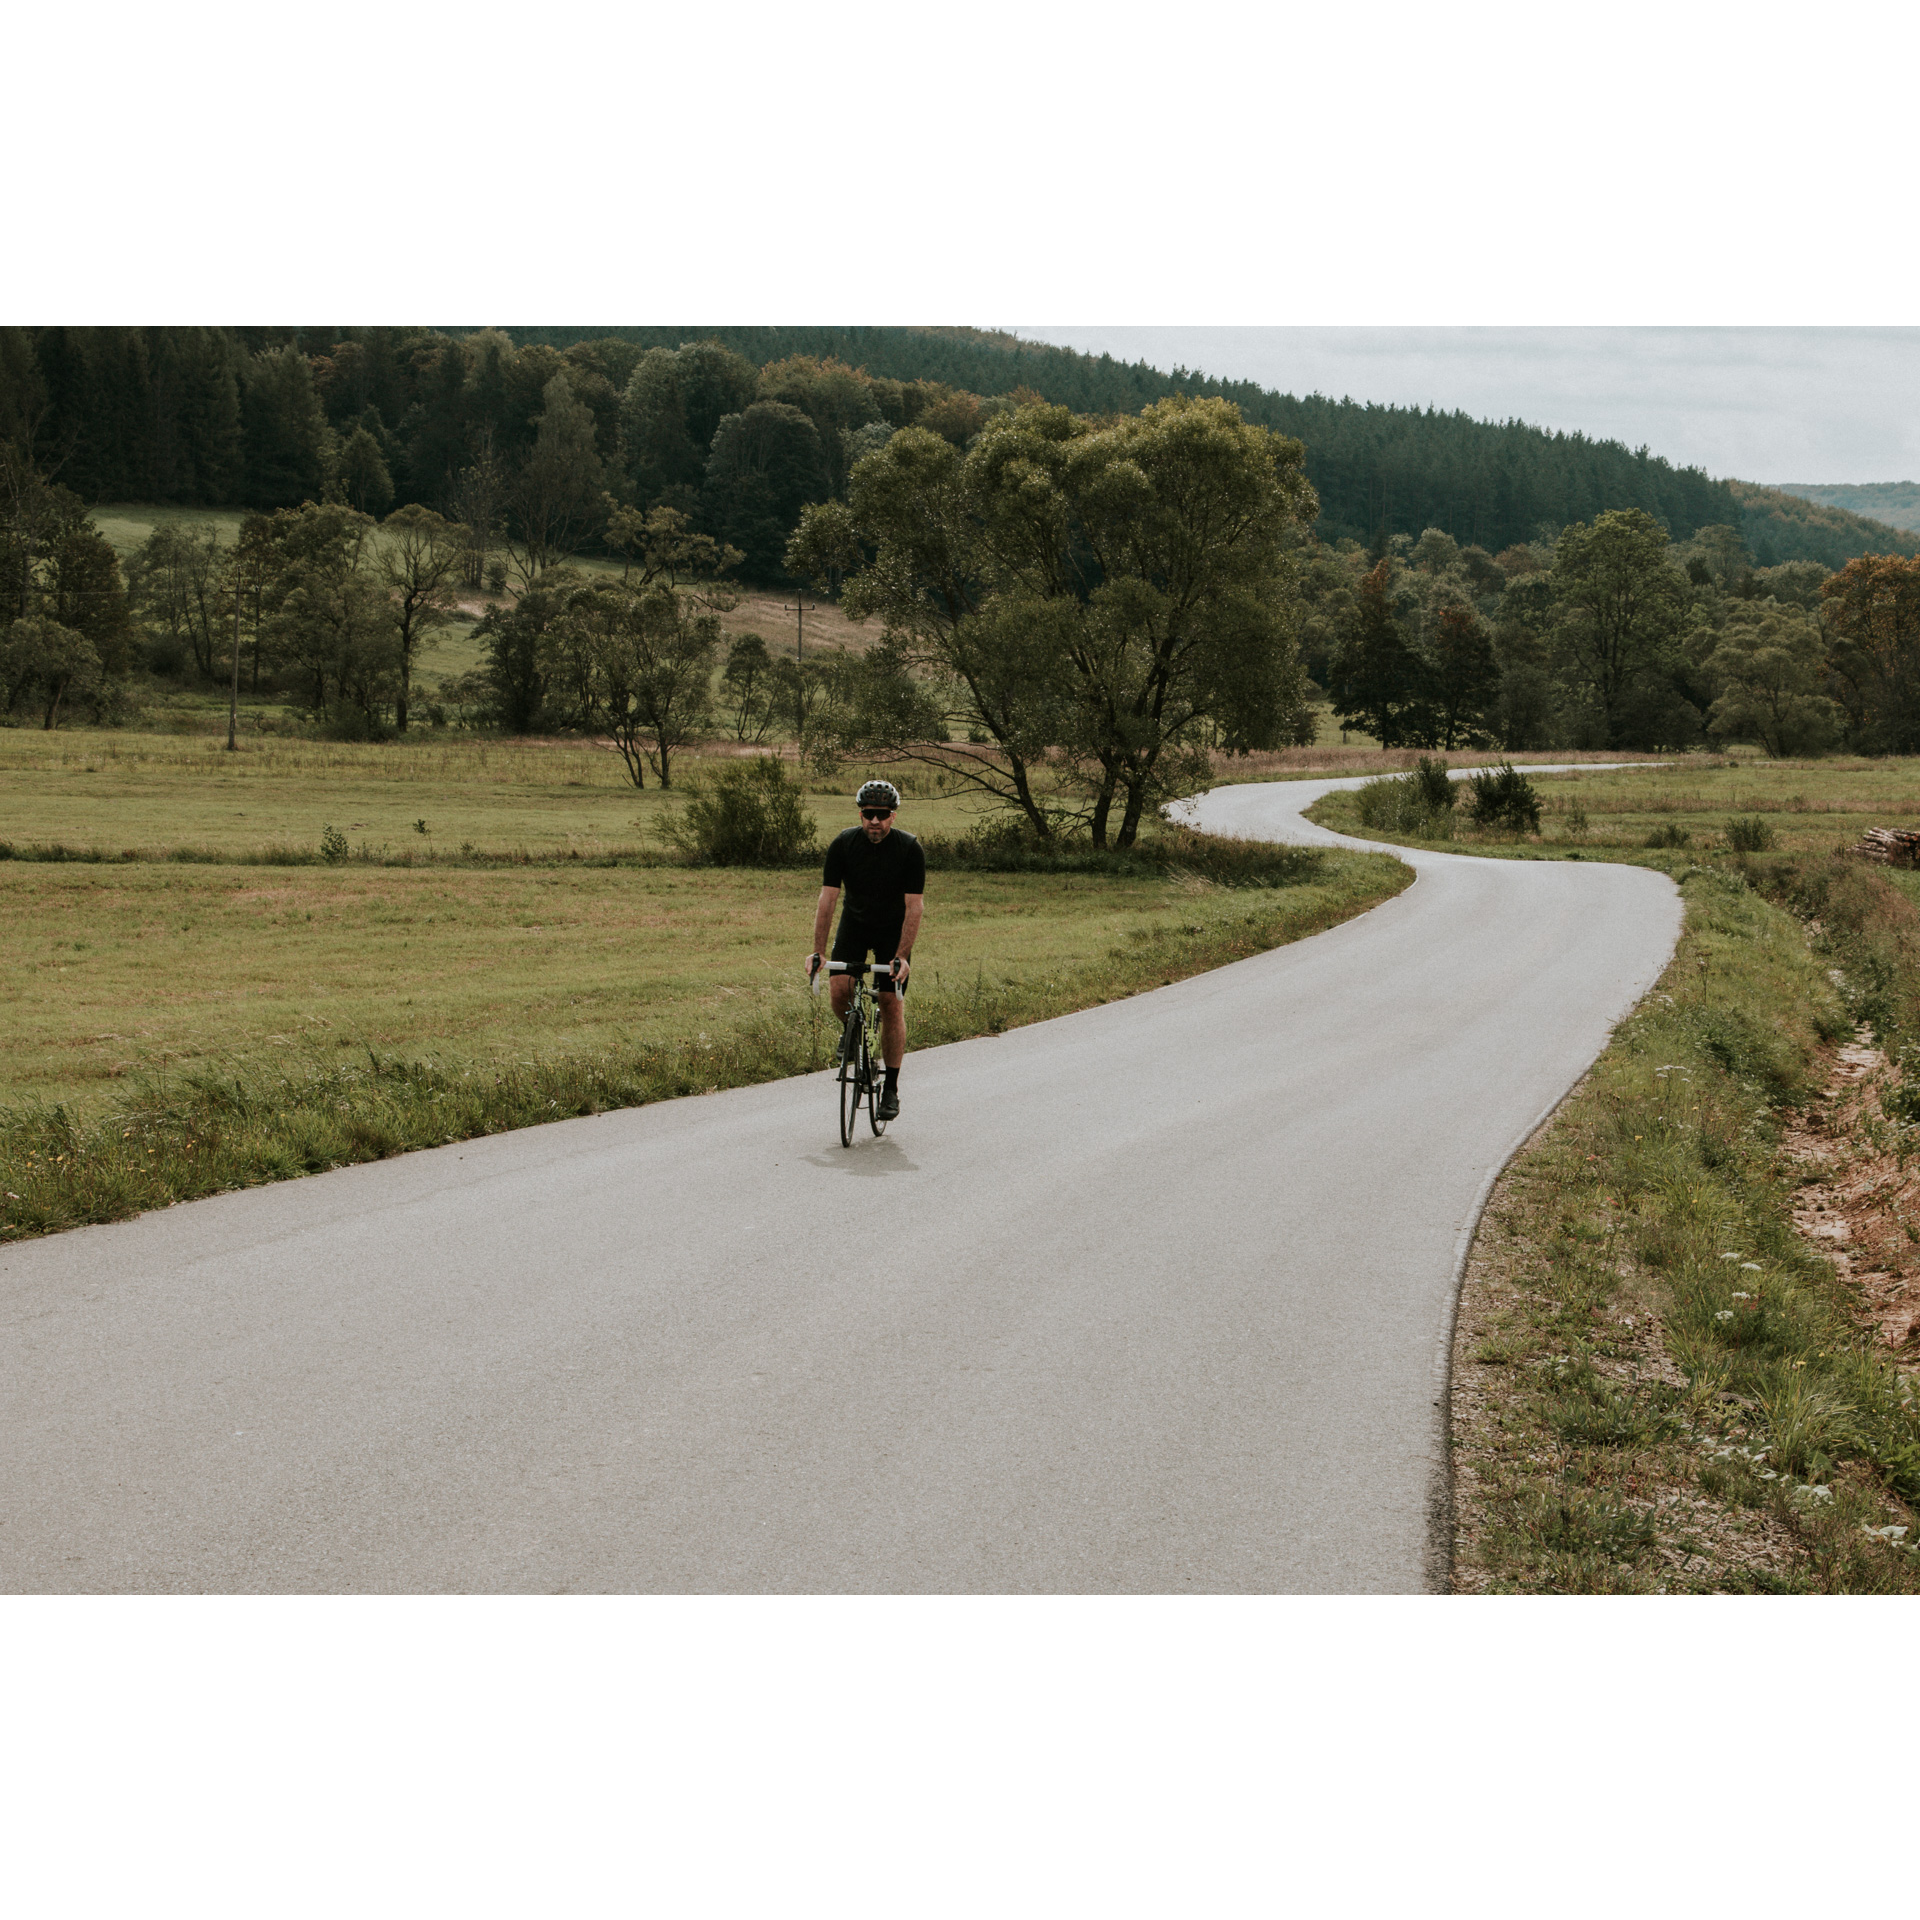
[122, 790]
[534, 952]
[1805, 805]
[120, 970]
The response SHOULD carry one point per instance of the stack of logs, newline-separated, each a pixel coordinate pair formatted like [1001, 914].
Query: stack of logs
[1897, 846]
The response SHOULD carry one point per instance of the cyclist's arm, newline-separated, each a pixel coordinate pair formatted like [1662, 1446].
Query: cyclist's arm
[910, 925]
[823, 917]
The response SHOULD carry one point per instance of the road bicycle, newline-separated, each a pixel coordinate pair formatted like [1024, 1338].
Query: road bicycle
[858, 1065]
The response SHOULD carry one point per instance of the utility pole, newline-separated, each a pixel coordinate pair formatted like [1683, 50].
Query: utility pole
[799, 627]
[233, 702]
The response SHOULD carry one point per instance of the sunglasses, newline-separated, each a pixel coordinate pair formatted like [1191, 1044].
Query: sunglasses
[876, 813]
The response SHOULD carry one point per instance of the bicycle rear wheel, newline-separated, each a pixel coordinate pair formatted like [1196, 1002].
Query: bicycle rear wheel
[878, 1125]
[853, 1075]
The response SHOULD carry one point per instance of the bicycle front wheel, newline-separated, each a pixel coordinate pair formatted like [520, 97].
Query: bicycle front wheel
[853, 1077]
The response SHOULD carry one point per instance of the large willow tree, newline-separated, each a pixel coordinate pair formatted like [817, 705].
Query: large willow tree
[1089, 605]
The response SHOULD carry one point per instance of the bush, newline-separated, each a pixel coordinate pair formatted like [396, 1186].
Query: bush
[1437, 788]
[1504, 797]
[1398, 803]
[1670, 834]
[751, 816]
[333, 844]
[1749, 834]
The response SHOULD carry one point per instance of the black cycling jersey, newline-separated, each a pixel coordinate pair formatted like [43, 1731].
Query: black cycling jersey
[876, 880]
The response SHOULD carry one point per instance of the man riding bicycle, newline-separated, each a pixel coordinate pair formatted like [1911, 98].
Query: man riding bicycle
[884, 873]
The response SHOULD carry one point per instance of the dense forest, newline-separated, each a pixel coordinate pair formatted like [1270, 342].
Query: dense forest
[385, 416]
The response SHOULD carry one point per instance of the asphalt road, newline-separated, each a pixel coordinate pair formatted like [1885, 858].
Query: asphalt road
[1150, 1298]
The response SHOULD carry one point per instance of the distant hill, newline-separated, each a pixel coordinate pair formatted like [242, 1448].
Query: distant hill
[1894, 502]
[1780, 525]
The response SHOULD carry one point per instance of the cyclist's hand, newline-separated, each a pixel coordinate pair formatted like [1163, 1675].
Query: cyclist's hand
[814, 962]
[901, 967]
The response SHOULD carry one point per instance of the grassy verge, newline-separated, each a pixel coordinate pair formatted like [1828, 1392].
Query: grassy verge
[222, 1122]
[1659, 1384]
[1676, 806]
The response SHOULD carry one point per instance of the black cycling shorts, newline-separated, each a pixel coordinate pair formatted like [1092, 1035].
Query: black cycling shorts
[851, 945]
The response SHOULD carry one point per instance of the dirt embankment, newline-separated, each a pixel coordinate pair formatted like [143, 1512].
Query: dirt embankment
[1860, 1206]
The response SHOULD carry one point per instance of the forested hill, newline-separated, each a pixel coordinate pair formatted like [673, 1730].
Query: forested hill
[1780, 525]
[1894, 502]
[267, 416]
[1374, 467]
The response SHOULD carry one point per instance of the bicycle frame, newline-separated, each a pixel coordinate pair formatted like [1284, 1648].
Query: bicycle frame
[858, 1072]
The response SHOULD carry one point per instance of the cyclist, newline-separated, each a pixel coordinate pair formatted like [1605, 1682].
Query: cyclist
[884, 873]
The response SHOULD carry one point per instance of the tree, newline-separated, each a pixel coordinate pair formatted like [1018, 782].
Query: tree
[476, 501]
[767, 464]
[1721, 557]
[253, 564]
[810, 700]
[652, 662]
[1527, 716]
[176, 587]
[520, 654]
[671, 408]
[288, 442]
[1622, 605]
[79, 583]
[1102, 596]
[837, 399]
[40, 657]
[418, 561]
[747, 688]
[1189, 518]
[364, 478]
[962, 647]
[1464, 678]
[1769, 666]
[1377, 681]
[556, 496]
[330, 617]
[1872, 608]
[659, 543]
[1796, 584]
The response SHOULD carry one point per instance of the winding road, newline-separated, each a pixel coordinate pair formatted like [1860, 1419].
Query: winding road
[1150, 1298]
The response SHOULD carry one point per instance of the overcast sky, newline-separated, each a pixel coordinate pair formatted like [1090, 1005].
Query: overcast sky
[1749, 403]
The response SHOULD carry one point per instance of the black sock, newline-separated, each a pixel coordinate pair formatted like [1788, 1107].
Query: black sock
[893, 1079]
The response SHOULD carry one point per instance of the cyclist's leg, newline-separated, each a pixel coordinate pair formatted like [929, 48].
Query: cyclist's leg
[893, 1029]
[850, 949]
[893, 1005]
